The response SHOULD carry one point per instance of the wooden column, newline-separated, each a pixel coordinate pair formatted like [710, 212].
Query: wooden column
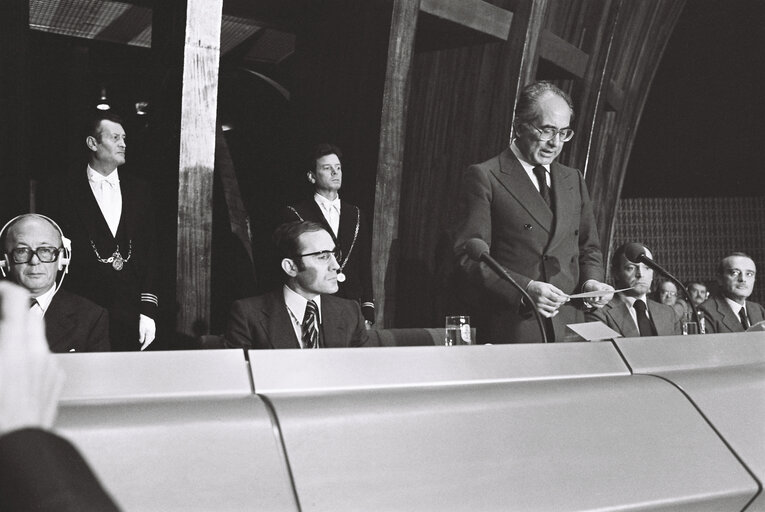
[391, 156]
[199, 101]
[15, 129]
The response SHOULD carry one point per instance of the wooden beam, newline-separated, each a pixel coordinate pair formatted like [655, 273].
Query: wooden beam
[476, 14]
[391, 155]
[563, 54]
[199, 103]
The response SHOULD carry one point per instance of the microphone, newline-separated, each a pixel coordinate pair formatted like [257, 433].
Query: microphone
[478, 250]
[636, 253]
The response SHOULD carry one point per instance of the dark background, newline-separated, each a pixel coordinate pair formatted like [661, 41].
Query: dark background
[703, 127]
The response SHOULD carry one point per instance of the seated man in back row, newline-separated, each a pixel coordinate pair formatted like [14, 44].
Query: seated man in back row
[631, 312]
[728, 310]
[34, 256]
[303, 313]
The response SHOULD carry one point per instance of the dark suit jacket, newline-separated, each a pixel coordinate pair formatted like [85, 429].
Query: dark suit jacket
[719, 317]
[70, 202]
[72, 322]
[358, 270]
[43, 472]
[263, 322]
[616, 316]
[501, 206]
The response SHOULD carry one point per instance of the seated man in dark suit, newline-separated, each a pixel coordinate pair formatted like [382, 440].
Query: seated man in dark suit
[38, 470]
[728, 310]
[35, 252]
[303, 313]
[632, 313]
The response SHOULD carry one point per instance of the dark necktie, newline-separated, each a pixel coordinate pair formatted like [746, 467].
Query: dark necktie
[32, 303]
[644, 323]
[311, 325]
[541, 173]
[744, 319]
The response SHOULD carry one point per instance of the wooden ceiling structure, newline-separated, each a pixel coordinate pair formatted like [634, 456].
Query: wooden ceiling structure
[413, 90]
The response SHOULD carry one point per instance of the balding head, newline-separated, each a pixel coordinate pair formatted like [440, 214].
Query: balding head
[23, 238]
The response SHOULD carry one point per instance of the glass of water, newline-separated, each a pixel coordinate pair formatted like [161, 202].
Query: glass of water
[689, 325]
[458, 330]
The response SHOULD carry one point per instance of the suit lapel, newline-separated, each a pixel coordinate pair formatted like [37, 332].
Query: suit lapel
[332, 325]
[276, 321]
[562, 184]
[347, 227]
[623, 319]
[514, 179]
[87, 209]
[730, 319]
[59, 323]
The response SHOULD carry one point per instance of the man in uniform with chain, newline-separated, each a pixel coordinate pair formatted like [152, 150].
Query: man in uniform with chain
[109, 217]
[344, 222]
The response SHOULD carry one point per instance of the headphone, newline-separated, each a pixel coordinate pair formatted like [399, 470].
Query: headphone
[65, 252]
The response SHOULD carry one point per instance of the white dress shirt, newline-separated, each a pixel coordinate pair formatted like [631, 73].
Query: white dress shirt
[43, 302]
[108, 194]
[529, 167]
[330, 210]
[296, 309]
[630, 302]
[736, 307]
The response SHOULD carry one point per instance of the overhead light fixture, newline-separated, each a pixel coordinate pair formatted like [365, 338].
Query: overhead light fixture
[142, 108]
[103, 103]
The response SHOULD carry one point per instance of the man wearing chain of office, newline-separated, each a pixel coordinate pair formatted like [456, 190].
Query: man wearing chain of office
[344, 221]
[109, 216]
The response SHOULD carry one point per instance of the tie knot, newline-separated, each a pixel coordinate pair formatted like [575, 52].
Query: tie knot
[32, 302]
[639, 306]
[311, 309]
[540, 172]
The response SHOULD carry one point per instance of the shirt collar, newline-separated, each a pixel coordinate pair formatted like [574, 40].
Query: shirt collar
[528, 166]
[97, 177]
[45, 299]
[735, 306]
[296, 303]
[326, 203]
[630, 300]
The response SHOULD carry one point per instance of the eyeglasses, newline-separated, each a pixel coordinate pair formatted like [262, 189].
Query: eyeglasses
[324, 256]
[44, 254]
[668, 294]
[549, 133]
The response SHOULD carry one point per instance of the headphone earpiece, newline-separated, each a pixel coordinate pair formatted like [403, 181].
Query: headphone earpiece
[5, 265]
[65, 254]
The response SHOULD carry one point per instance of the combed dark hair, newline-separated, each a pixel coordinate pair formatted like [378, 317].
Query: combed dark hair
[526, 108]
[720, 268]
[93, 124]
[286, 236]
[320, 150]
[619, 252]
[688, 284]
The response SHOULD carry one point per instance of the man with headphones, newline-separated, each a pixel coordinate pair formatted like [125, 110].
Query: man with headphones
[109, 215]
[35, 253]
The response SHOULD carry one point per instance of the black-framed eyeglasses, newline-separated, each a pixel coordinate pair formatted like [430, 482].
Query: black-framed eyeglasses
[549, 133]
[44, 254]
[324, 256]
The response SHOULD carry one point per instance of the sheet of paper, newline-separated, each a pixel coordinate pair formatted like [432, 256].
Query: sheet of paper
[597, 293]
[594, 331]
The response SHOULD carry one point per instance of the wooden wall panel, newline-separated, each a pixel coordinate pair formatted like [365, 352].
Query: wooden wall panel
[461, 110]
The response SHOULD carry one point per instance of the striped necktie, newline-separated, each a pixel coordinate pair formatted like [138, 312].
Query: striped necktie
[311, 325]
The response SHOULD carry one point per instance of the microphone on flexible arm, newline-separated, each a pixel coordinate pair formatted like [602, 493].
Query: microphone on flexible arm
[478, 250]
[635, 253]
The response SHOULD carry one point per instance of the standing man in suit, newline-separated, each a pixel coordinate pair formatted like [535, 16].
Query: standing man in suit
[303, 313]
[109, 216]
[34, 255]
[344, 222]
[728, 310]
[631, 313]
[535, 215]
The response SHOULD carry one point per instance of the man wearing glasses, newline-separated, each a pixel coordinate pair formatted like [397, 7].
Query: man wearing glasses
[303, 313]
[728, 310]
[34, 256]
[344, 221]
[535, 215]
